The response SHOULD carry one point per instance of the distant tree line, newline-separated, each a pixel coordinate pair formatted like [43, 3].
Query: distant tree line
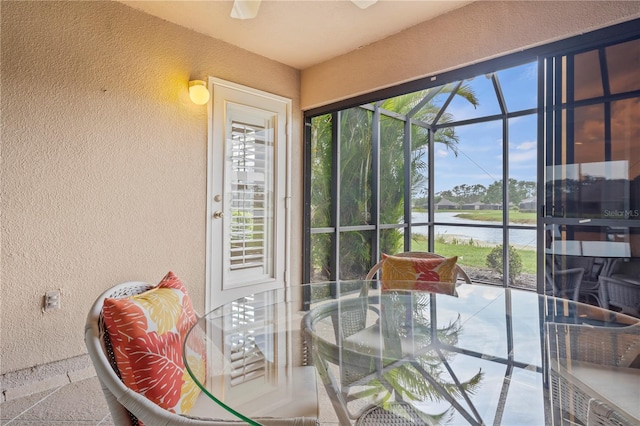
[464, 194]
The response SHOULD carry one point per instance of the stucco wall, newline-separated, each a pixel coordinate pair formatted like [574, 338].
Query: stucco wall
[104, 161]
[471, 34]
[103, 175]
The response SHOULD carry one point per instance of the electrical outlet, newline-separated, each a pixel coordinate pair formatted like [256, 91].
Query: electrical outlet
[51, 301]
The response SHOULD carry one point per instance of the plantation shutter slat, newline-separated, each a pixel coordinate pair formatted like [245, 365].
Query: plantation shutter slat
[250, 152]
[247, 360]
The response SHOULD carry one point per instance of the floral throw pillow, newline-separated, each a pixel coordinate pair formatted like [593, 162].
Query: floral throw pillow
[146, 332]
[436, 275]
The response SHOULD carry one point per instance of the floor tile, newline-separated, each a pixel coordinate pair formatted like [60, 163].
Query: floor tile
[49, 423]
[82, 403]
[78, 403]
[15, 407]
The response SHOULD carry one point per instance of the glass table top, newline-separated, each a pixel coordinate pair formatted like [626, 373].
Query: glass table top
[478, 355]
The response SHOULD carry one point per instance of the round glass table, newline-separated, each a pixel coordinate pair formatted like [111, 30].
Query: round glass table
[344, 352]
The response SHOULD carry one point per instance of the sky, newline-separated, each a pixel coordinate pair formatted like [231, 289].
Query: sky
[479, 159]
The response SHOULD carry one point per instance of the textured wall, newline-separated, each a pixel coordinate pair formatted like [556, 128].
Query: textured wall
[474, 33]
[104, 157]
[104, 161]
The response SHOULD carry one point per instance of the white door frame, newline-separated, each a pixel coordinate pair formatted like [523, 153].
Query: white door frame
[220, 90]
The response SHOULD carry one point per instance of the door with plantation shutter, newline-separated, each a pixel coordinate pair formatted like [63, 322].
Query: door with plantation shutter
[247, 191]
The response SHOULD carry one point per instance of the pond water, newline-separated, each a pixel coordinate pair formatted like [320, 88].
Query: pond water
[517, 237]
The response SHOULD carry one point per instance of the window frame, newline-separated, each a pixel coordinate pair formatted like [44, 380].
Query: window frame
[610, 35]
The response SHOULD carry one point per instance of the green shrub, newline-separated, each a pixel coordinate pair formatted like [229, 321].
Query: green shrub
[494, 261]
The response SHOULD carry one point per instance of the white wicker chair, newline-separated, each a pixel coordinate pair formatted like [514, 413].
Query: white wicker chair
[601, 414]
[127, 406]
[339, 368]
[397, 413]
[615, 347]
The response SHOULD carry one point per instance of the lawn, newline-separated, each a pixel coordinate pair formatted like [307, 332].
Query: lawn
[473, 255]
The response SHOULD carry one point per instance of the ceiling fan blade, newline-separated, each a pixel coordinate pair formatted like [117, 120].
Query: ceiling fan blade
[245, 9]
[363, 4]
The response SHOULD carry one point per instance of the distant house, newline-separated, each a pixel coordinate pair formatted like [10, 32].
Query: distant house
[473, 206]
[528, 204]
[492, 206]
[445, 204]
[478, 205]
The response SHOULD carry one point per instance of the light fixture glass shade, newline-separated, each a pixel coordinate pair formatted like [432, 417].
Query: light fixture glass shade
[198, 92]
[245, 9]
[363, 4]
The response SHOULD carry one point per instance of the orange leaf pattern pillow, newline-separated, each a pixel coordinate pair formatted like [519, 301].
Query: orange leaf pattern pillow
[415, 273]
[146, 332]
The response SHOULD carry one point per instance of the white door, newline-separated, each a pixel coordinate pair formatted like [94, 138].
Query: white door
[247, 192]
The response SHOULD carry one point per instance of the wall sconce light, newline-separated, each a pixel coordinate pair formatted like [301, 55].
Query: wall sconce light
[198, 92]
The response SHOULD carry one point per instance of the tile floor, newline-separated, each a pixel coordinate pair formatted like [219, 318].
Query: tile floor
[77, 403]
[82, 403]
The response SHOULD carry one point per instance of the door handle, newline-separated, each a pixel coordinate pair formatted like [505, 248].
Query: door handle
[218, 215]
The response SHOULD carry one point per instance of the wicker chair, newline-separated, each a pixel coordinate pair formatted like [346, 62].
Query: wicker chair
[601, 414]
[571, 346]
[594, 267]
[397, 413]
[621, 294]
[353, 368]
[564, 282]
[349, 389]
[423, 255]
[127, 406]
[621, 289]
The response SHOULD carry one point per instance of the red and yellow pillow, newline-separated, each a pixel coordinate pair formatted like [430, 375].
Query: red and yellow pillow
[436, 275]
[146, 332]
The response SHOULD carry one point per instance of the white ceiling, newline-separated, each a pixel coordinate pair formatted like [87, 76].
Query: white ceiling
[299, 33]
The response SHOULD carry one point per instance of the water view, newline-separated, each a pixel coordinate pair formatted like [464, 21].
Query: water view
[482, 236]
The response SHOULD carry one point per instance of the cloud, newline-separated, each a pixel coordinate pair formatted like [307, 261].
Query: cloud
[524, 152]
[526, 145]
[442, 152]
[524, 156]
[530, 72]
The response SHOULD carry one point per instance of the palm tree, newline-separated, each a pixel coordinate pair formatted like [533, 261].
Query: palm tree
[356, 158]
